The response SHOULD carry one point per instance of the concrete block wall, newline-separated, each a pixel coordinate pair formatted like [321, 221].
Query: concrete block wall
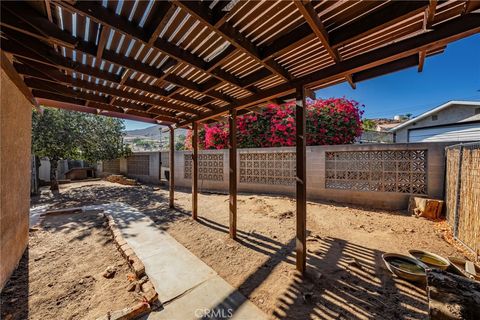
[316, 175]
[15, 159]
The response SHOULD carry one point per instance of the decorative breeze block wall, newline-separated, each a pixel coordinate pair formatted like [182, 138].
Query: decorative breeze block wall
[210, 167]
[403, 171]
[275, 168]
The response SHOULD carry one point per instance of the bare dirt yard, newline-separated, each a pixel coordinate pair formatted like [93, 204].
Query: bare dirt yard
[60, 274]
[346, 276]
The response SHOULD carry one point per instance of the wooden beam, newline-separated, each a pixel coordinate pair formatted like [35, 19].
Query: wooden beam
[16, 79]
[171, 181]
[233, 173]
[388, 15]
[313, 20]
[44, 73]
[421, 60]
[349, 79]
[204, 89]
[195, 170]
[441, 35]
[229, 33]
[301, 181]
[430, 14]
[162, 13]
[99, 14]
[101, 44]
[81, 108]
[429, 17]
[40, 53]
[471, 5]
[22, 17]
[54, 90]
[384, 17]
[310, 15]
[386, 68]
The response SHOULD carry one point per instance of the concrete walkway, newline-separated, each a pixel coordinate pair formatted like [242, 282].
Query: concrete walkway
[186, 286]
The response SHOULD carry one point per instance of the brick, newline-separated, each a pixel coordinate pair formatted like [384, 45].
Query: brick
[129, 253]
[130, 312]
[120, 242]
[138, 266]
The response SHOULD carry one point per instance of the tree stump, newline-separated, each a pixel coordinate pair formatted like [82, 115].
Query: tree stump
[452, 297]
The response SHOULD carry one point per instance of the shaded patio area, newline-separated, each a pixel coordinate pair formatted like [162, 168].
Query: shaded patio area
[345, 274]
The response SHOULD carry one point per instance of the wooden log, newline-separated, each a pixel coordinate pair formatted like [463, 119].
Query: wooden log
[452, 297]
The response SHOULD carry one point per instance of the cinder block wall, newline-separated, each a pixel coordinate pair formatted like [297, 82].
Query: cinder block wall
[316, 175]
[213, 172]
[15, 140]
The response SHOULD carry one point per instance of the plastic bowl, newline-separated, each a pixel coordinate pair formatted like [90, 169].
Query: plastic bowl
[432, 260]
[405, 267]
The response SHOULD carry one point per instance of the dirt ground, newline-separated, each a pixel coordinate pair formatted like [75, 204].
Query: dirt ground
[262, 262]
[60, 274]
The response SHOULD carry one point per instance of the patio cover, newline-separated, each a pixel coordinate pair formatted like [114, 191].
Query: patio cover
[179, 63]
[176, 62]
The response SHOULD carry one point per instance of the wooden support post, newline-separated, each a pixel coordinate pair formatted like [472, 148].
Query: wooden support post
[301, 191]
[172, 168]
[195, 171]
[233, 172]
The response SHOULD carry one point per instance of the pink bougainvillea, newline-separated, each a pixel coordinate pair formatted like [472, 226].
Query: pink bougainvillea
[329, 121]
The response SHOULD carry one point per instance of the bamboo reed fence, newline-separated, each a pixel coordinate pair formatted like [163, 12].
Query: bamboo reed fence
[463, 193]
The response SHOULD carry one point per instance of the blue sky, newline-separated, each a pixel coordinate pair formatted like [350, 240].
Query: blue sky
[453, 75]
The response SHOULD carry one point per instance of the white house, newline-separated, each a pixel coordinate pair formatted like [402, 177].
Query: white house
[457, 121]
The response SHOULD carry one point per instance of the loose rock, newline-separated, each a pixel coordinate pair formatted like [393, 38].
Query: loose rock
[109, 272]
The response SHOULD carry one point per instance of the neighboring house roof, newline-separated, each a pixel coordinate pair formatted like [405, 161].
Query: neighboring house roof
[387, 126]
[434, 111]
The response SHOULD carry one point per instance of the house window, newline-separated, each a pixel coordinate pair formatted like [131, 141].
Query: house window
[434, 117]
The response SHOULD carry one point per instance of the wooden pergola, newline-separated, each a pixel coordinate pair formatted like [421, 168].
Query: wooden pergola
[179, 63]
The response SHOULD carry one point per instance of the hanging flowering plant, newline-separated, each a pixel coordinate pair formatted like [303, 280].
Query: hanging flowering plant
[329, 121]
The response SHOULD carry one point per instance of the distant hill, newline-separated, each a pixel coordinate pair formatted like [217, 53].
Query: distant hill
[152, 132]
[150, 138]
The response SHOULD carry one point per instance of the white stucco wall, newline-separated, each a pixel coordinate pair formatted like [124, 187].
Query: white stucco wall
[453, 114]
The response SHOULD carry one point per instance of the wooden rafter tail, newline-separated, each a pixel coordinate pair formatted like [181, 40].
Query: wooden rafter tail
[421, 60]
[350, 81]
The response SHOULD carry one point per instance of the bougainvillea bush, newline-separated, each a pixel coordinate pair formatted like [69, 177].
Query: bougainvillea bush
[329, 121]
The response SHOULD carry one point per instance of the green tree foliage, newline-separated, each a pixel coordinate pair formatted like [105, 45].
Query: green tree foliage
[180, 143]
[60, 134]
[368, 124]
